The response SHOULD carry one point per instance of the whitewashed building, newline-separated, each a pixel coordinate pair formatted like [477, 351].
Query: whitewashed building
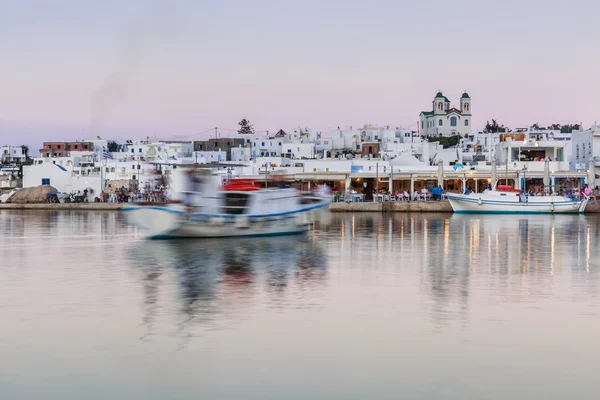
[11, 154]
[62, 178]
[585, 151]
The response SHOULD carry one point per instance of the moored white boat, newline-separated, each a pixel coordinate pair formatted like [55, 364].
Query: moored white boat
[513, 201]
[239, 208]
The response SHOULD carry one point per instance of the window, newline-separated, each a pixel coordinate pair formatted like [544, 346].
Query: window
[138, 166]
[466, 122]
[58, 146]
[112, 169]
[422, 124]
[466, 106]
[140, 150]
[577, 152]
[280, 143]
[45, 181]
[452, 121]
[107, 170]
[440, 122]
[263, 144]
[133, 167]
[133, 177]
[133, 150]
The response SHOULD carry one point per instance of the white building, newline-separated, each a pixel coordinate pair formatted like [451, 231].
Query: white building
[206, 157]
[11, 154]
[158, 150]
[298, 150]
[240, 154]
[63, 179]
[585, 151]
[446, 120]
[265, 146]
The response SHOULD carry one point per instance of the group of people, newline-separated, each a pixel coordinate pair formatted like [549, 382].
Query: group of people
[119, 195]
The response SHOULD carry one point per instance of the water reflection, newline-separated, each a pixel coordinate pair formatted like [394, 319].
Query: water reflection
[221, 277]
[451, 250]
[426, 305]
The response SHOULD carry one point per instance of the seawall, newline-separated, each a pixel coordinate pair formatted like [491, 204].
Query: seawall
[400, 206]
[417, 206]
[396, 206]
[68, 206]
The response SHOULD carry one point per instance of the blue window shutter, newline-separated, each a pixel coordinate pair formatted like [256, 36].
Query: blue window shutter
[132, 150]
[45, 181]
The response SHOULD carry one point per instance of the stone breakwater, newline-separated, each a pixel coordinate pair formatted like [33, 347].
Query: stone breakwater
[415, 206]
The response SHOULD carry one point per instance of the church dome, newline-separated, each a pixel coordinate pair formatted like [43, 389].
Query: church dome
[439, 94]
[465, 95]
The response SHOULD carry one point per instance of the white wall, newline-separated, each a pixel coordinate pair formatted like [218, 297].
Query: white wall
[240, 154]
[299, 150]
[11, 153]
[205, 157]
[60, 178]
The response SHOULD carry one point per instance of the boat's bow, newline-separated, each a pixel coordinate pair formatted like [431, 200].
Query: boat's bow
[157, 221]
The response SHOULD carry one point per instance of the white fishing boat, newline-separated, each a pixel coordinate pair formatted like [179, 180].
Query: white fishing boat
[508, 200]
[240, 207]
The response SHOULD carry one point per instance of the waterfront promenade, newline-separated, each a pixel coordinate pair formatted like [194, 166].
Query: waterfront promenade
[392, 206]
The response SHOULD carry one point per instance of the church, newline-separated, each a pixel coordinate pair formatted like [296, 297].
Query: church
[444, 120]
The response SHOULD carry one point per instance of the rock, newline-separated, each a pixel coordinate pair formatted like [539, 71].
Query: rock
[32, 194]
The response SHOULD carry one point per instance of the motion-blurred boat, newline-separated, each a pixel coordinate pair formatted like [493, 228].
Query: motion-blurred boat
[240, 207]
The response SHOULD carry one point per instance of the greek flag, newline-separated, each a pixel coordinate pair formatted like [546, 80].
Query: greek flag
[106, 154]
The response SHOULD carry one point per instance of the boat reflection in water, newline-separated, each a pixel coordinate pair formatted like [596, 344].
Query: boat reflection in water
[193, 281]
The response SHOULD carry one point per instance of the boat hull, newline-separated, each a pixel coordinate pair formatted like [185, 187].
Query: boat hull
[166, 223]
[472, 204]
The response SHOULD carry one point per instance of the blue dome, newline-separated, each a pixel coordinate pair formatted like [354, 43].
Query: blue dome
[465, 95]
[439, 94]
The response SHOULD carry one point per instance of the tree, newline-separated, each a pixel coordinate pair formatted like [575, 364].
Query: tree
[494, 127]
[25, 149]
[245, 127]
[113, 146]
[569, 128]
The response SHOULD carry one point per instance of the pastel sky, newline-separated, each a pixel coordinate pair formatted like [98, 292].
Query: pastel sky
[127, 69]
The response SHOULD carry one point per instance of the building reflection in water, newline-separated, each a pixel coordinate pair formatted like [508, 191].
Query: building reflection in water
[515, 254]
[223, 277]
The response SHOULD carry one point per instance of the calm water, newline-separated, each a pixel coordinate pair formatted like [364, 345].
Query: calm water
[368, 307]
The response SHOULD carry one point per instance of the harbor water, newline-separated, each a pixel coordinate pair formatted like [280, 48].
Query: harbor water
[364, 306]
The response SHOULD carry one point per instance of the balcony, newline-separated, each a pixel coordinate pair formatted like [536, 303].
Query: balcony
[596, 161]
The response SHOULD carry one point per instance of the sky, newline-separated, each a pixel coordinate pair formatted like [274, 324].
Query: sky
[177, 69]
